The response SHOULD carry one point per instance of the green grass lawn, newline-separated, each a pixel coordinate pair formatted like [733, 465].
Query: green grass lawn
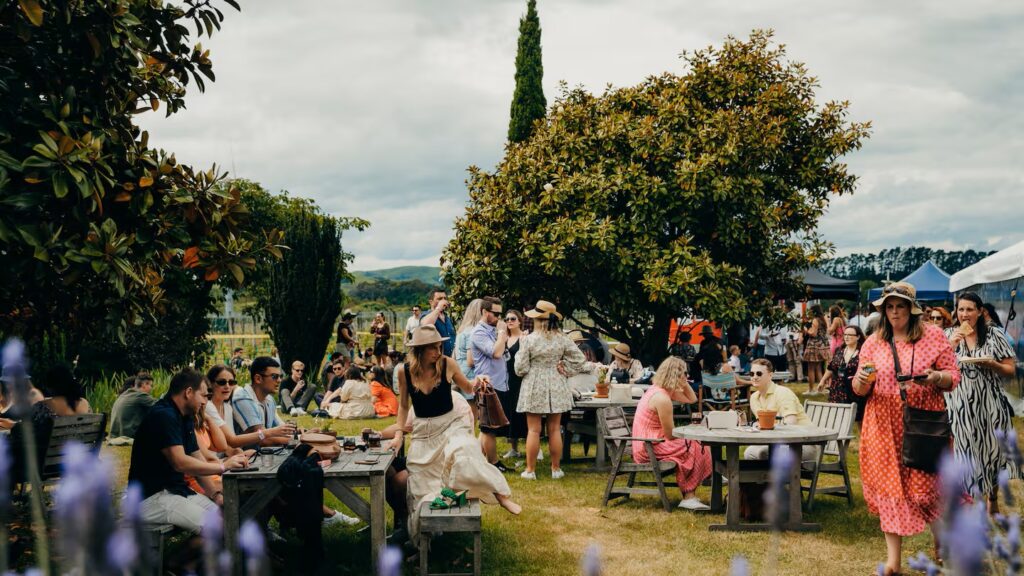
[561, 518]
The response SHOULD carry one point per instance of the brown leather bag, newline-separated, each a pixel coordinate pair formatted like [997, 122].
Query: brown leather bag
[492, 415]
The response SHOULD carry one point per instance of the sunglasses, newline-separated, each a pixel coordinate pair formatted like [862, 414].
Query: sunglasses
[225, 382]
[272, 376]
[298, 369]
[897, 289]
[940, 318]
[511, 319]
[757, 373]
[854, 334]
[337, 369]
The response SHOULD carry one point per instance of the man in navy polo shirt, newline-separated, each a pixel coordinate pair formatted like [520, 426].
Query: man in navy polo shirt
[165, 450]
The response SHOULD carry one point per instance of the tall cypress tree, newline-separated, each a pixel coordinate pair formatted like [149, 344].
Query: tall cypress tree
[528, 103]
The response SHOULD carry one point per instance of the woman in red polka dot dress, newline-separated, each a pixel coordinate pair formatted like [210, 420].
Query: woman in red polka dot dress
[904, 499]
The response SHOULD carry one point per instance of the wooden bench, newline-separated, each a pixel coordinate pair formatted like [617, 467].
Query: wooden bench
[156, 535]
[459, 519]
[88, 429]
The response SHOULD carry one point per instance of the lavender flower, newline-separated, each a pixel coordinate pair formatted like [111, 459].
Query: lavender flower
[924, 564]
[1009, 549]
[591, 562]
[83, 509]
[775, 498]
[970, 531]
[1004, 486]
[213, 535]
[131, 503]
[880, 570]
[390, 562]
[5, 477]
[14, 353]
[739, 566]
[250, 539]
[122, 551]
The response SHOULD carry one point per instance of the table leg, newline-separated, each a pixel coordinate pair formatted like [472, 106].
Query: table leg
[716, 480]
[796, 514]
[232, 520]
[378, 521]
[732, 511]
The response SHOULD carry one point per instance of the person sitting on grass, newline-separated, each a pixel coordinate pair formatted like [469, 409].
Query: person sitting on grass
[654, 420]
[166, 449]
[353, 400]
[768, 395]
[385, 403]
[131, 407]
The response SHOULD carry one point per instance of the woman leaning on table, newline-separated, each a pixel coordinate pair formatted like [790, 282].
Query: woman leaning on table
[443, 453]
[977, 408]
[904, 499]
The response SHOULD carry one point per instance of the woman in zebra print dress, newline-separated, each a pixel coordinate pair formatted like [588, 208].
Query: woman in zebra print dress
[978, 407]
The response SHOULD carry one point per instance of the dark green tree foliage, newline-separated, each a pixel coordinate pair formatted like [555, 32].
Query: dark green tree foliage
[528, 102]
[698, 192]
[299, 296]
[93, 221]
[898, 262]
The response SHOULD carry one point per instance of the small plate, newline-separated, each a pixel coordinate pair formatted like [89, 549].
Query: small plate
[975, 360]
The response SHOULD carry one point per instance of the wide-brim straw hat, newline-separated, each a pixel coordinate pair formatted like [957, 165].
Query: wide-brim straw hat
[904, 290]
[543, 309]
[424, 336]
[577, 336]
[621, 351]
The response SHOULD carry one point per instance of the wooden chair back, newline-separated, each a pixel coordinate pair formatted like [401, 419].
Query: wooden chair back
[88, 429]
[836, 417]
[615, 425]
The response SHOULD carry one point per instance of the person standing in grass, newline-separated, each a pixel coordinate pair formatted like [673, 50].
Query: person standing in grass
[545, 359]
[654, 420]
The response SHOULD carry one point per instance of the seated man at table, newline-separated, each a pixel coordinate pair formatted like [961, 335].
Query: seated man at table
[768, 395]
[165, 449]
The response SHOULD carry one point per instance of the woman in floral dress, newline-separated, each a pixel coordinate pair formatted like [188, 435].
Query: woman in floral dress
[545, 392]
[905, 499]
[978, 407]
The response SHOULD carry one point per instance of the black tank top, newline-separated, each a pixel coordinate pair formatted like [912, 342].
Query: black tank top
[437, 402]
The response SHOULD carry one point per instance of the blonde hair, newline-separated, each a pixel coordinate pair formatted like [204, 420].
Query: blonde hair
[471, 317]
[671, 374]
[414, 358]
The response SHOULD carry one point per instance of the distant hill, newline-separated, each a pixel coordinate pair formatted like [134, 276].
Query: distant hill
[427, 274]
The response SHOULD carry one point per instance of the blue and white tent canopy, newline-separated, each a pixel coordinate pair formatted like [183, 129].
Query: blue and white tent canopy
[931, 283]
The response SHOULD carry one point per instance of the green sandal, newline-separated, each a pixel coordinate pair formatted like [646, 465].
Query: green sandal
[440, 503]
[455, 499]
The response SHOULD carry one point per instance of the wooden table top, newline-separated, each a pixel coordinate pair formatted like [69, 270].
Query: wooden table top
[782, 434]
[347, 465]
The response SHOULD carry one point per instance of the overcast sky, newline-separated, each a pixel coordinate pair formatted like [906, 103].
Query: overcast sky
[375, 109]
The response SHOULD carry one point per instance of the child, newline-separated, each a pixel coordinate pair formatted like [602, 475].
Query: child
[734, 359]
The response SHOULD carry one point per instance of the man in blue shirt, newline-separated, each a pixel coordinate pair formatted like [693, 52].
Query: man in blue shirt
[487, 345]
[438, 318]
[254, 406]
[165, 450]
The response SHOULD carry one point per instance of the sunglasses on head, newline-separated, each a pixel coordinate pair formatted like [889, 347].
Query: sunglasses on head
[226, 382]
[897, 289]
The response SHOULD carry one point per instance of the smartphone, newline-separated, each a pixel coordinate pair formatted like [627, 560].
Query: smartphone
[249, 468]
[920, 377]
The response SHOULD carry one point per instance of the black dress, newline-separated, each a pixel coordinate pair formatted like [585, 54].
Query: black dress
[841, 389]
[509, 401]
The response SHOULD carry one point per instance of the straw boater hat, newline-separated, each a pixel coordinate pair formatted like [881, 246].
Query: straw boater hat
[425, 335]
[577, 336]
[543, 309]
[621, 351]
[904, 290]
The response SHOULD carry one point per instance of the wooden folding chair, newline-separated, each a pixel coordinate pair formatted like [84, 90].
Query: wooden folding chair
[724, 392]
[839, 418]
[617, 435]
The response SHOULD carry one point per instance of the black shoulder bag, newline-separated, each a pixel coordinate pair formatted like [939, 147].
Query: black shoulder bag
[926, 433]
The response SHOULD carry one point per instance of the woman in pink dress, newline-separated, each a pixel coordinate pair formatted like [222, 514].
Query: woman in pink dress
[905, 499]
[837, 322]
[654, 420]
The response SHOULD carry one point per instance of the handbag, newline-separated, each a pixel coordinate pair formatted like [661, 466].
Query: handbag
[926, 433]
[492, 415]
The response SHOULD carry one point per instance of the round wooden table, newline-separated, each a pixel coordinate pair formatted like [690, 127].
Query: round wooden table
[753, 470]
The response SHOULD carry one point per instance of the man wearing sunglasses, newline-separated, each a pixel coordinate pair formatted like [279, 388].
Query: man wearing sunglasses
[768, 395]
[254, 407]
[488, 341]
[296, 391]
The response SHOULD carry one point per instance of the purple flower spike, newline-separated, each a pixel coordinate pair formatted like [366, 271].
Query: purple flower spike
[970, 531]
[5, 475]
[14, 353]
[591, 562]
[391, 562]
[213, 531]
[250, 539]
[122, 551]
[1004, 486]
[131, 504]
[740, 566]
[881, 569]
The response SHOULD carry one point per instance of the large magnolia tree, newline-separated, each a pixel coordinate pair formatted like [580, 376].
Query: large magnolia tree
[92, 219]
[694, 193]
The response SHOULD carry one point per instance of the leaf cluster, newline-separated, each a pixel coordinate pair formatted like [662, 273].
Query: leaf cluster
[92, 218]
[694, 193]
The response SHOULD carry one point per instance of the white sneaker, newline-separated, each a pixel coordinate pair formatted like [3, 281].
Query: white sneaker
[340, 518]
[528, 475]
[301, 411]
[556, 474]
[510, 455]
[293, 412]
[694, 504]
[540, 456]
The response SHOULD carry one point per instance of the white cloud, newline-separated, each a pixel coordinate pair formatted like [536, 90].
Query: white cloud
[376, 109]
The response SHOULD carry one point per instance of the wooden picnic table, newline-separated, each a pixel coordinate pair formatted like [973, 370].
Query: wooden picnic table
[731, 439]
[259, 487]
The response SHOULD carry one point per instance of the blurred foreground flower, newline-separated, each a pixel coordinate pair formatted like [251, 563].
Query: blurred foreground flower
[591, 562]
